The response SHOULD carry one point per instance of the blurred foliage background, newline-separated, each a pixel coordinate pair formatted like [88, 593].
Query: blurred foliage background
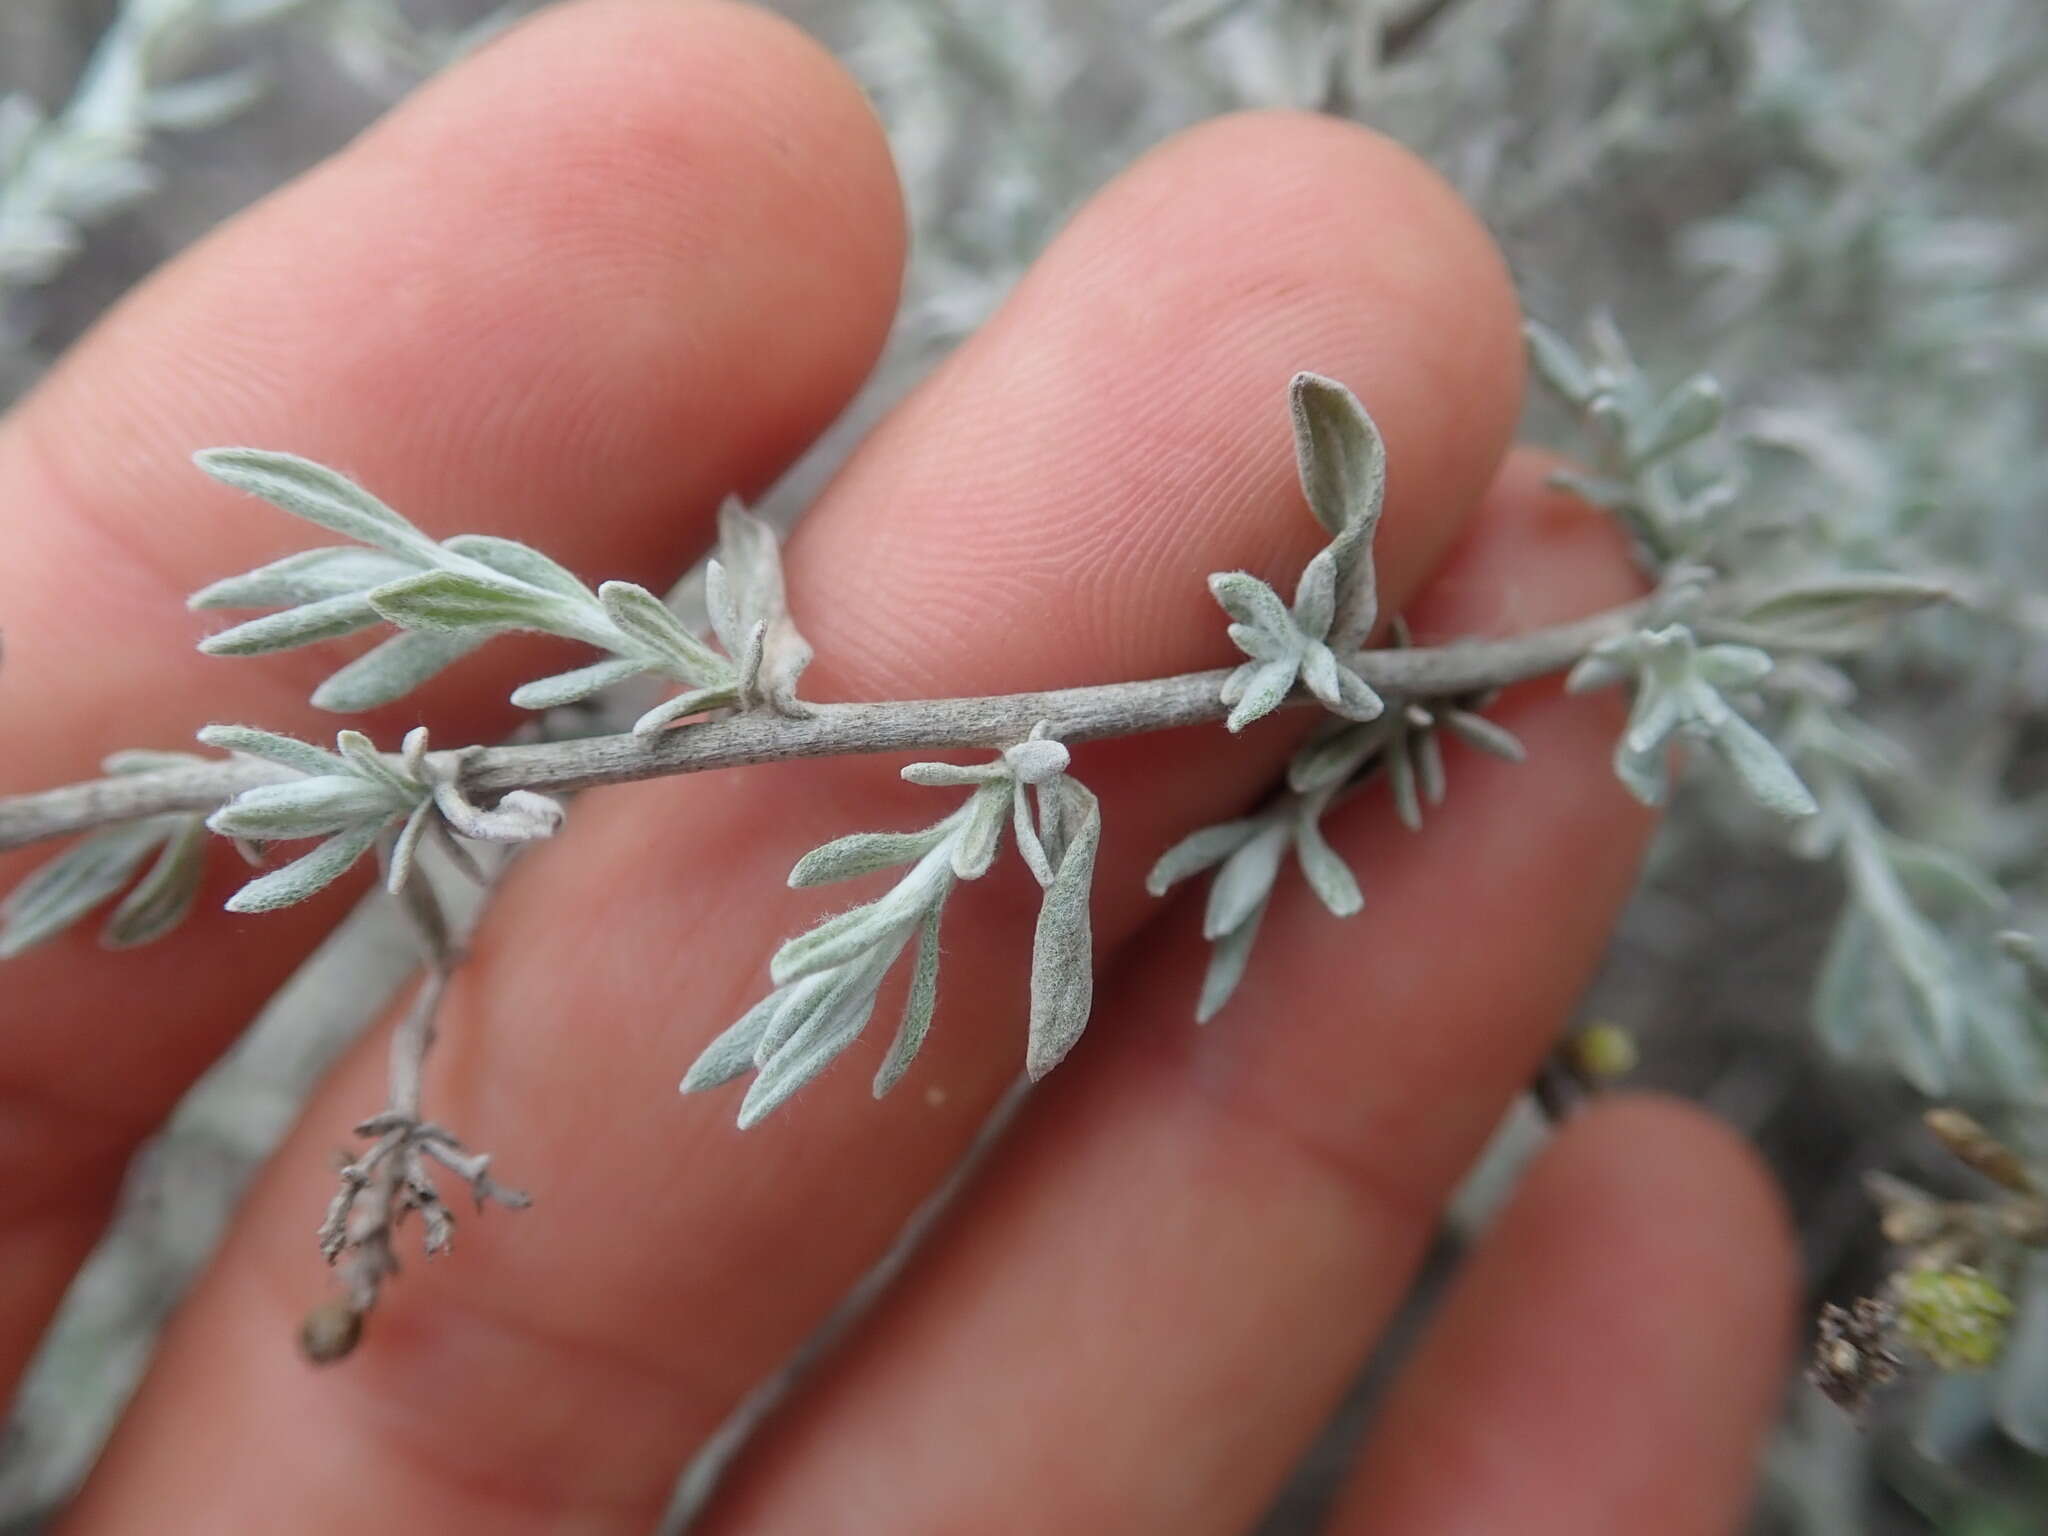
[1834, 206]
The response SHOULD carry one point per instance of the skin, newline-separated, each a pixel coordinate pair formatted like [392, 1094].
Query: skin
[633, 256]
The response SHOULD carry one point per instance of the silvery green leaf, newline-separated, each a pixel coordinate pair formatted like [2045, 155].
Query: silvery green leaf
[306, 876]
[20, 121]
[1341, 690]
[145, 760]
[1429, 766]
[1054, 814]
[307, 624]
[520, 816]
[1267, 690]
[798, 1004]
[1477, 731]
[1030, 846]
[1599, 668]
[1319, 673]
[752, 602]
[464, 600]
[2020, 1394]
[1200, 850]
[1336, 753]
[1646, 775]
[1557, 363]
[1658, 710]
[1261, 645]
[863, 853]
[1245, 880]
[1846, 606]
[361, 754]
[1062, 949]
[1343, 466]
[1841, 1014]
[1688, 413]
[1734, 666]
[834, 1023]
[1227, 960]
[918, 1008]
[189, 105]
[98, 187]
[1037, 760]
[164, 897]
[723, 607]
[1315, 595]
[838, 939]
[2027, 952]
[1401, 781]
[1250, 601]
[393, 668]
[310, 576]
[1235, 685]
[405, 848]
[1594, 490]
[286, 751]
[320, 496]
[950, 775]
[570, 687]
[1339, 453]
[732, 1053]
[309, 807]
[650, 623]
[522, 563]
[976, 843]
[696, 701]
[1327, 874]
[66, 888]
[1762, 769]
[750, 658]
[1943, 881]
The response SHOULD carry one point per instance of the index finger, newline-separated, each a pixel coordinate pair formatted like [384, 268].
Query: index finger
[568, 294]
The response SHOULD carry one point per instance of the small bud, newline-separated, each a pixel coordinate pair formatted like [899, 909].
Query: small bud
[331, 1332]
[1602, 1052]
[1956, 1317]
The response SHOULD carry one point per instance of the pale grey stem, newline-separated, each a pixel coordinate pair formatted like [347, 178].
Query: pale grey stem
[413, 1039]
[917, 725]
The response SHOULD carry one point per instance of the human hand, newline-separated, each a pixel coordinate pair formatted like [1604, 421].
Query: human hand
[632, 257]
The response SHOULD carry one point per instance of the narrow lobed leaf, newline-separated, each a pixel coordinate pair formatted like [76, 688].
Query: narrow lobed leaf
[462, 601]
[1199, 851]
[287, 751]
[392, 669]
[319, 495]
[1062, 947]
[164, 897]
[649, 622]
[918, 1008]
[307, 624]
[76, 881]
[863, 853]
[305, 876]
[310, 576]
[573, 687]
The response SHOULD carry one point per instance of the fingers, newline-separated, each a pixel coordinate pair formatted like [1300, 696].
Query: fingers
[569, 295]
[1610, 1360]
[1187, 1247]
[1043, 512]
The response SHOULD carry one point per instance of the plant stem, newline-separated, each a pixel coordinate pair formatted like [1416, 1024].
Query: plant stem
[830, 730]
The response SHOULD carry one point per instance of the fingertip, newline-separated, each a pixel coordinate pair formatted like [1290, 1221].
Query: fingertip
[1650, 1163]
